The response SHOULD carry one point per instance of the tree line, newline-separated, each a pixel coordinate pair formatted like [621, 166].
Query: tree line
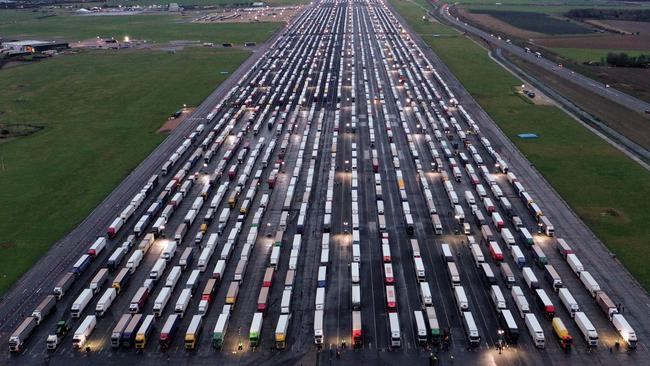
[610, 14]
[624, 60]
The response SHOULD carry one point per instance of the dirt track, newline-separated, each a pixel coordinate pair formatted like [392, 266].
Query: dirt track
[618, 42]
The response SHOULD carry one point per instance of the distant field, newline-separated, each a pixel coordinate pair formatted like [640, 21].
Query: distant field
[548, 7]
[416, 9]
[206, 2]
[588, 54]
[101, 111]
[157, 28]
[536, 22]
[604, 187]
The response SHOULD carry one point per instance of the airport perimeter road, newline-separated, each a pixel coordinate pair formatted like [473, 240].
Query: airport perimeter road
[601, 89]
[341, 207]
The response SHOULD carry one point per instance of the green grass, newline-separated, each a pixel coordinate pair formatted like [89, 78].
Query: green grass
[536, 22]
[605, 188]
[157, 28]
[186, 3]
[554, 8]
[589, 54]
[101, 111]
[416, 9]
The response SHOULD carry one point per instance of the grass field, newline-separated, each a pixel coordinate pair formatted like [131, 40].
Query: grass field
[101, 111]
[604, 187]
[157, 28]
[589, 54]
[185, 3]
[547, 7]
[536, 22]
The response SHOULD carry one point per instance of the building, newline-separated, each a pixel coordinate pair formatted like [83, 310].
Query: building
[33, 46]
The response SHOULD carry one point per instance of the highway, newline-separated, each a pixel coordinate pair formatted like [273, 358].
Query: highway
[340, 144]
[596, 87]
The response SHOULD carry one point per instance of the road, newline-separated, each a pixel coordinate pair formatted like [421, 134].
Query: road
[596, 87]
[323, 149]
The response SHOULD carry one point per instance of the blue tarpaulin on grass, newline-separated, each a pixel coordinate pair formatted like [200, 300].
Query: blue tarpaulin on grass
[527, 136]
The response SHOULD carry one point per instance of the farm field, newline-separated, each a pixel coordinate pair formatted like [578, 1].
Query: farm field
[156, 28]
[52, 179]
[536, 22]
[582, 55]
[604, 187]
[606, 42]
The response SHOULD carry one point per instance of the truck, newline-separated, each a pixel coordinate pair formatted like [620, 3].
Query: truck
[81, 302]
[395, 332]
[63, 285]
[357, 331]
[320, 298]
[20, 335]
[530, 278]
[220, 328]
[285, 303]
[254, 334]
[434, 326]
[168, 331]
[97, 247]
[574, 263]
[562, 334]
[186, 258]
[477, 254]
[281, 331]
[233, 291]
[563, 247]
[84, 331]
[219, 269]
[586, 328]
[568, 301]
[44, 308]
[553, 277]
[498, 221]
[525, 236]
[355, 272]
[98, 281]
[461, 298]
[507, 236]
[318, 327]
[518, 256]
[507, 275]
[130, 330]
[262, 299]
[606, 304]
[545, 303]
[143, 332]
[539, 256]
[158, 269]
[193, 332]
[183, 301]
[535, 330]
[520, 301]
[421, 328]
[81, 264]
[61, 329]
[495, 251]
[161, 301]
[116, 334]
[169, 250]
[322, 276]
[172, 278]
[625, 330]
[425, 293]
[105, 301]
[138, 300]
[134, 261]
[471, 330]
[356, 297]
[116, 258]
[497, 297]
[590, 283]
[509, 326]
[454, 275]
[121, 279]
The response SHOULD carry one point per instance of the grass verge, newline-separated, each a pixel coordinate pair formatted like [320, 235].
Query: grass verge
[592, 55]
[100, 111]
[603, 186]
